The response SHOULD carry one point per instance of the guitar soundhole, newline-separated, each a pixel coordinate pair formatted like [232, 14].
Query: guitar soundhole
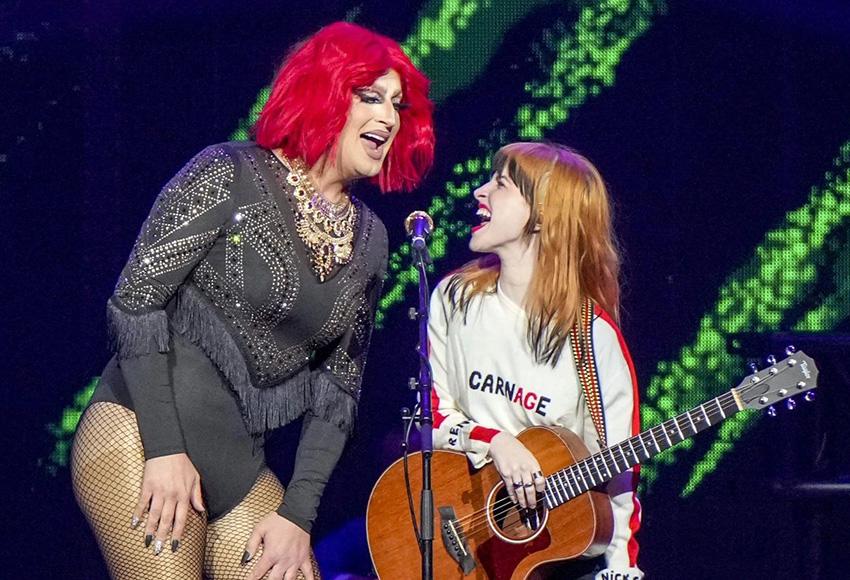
[510, 521]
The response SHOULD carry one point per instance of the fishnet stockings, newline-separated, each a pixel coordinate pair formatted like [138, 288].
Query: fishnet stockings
[107, 463]
[227, 535]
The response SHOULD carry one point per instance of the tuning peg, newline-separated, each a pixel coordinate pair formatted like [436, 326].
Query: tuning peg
[790, 349]
[791, 404]
[771, 411]
[753, 367]
[809, 396]
[771, 360]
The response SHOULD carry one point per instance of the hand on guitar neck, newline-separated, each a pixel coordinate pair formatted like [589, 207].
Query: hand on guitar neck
[518, 468]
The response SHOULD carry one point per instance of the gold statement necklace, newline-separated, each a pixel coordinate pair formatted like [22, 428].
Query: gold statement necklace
[326, 228]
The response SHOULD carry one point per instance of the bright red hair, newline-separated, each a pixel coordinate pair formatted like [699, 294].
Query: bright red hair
[312, 94]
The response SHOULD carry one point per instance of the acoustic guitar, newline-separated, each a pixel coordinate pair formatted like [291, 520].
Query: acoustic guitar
[480, 534]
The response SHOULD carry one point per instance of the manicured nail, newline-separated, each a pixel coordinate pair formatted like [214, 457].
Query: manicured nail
[157, 547]
[174, 545]
[148, 540]
[246, 557]
[134, 522]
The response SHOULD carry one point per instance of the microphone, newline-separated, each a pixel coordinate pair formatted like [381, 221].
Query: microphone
[418, 226]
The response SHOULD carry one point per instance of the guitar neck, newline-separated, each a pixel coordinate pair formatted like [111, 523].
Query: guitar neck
[592, 471]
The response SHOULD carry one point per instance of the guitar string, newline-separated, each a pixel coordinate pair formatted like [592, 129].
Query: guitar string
[502, 507]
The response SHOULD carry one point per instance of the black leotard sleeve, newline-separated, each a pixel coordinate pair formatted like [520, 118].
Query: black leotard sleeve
[185, 220]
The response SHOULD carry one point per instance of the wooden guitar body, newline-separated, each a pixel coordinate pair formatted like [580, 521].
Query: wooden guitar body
[492, 531]
[479, 533]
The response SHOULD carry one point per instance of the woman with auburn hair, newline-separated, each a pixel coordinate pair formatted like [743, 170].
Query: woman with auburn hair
[501, 332]
[248, 302]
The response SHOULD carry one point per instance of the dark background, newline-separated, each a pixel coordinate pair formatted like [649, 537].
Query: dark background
[721, 119]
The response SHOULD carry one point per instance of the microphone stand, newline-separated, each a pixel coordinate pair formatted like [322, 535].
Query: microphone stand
[426, 506]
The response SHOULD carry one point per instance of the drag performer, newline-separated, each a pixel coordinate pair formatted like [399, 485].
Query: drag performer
[248, 302]
[500, 347]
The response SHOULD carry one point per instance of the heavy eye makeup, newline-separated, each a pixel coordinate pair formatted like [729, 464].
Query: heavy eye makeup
[372, 97]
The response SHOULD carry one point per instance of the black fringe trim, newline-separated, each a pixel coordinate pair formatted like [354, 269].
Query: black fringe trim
[132, 335]
[262, 408]
[332, 402]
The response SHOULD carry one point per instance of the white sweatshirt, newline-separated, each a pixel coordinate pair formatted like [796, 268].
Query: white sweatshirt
[485, 380]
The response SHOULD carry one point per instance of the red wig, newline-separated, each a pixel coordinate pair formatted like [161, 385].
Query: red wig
[312, 94]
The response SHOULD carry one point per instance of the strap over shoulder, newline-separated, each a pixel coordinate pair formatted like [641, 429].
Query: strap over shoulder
[581, 340]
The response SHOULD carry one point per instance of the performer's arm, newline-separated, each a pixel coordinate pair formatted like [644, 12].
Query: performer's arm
[318, 452]
[183, 225]
[622, 420]
[453, 429]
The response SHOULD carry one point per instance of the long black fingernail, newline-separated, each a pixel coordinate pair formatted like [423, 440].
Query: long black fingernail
[174, 545]
[148, 540]
[246, 557]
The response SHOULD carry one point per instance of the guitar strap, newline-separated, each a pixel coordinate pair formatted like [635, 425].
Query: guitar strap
[581, 340]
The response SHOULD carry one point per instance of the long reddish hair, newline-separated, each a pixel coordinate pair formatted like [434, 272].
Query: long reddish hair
[577, 255]
[312, 94]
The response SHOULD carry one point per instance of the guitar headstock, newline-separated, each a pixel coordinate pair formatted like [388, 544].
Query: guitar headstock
[795, 374]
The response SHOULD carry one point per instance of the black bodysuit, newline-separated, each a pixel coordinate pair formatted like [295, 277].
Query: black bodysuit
[223, 331]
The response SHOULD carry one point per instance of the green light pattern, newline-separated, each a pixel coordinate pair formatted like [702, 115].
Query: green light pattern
[241, 132]
[462, 31]
[781, 275]
[583, 60]
[438, 32]
[63, 430]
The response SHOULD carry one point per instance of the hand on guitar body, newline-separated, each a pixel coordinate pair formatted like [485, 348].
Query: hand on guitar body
[519, 469]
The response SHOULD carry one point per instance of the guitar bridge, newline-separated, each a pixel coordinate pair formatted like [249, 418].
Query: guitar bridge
[454, 540]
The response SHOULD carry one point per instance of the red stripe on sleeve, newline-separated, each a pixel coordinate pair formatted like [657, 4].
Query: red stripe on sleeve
[634, 522]
[484, 434]
[435, 404]
[435, 400]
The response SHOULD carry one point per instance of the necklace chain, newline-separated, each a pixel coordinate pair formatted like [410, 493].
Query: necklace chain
[326, 228]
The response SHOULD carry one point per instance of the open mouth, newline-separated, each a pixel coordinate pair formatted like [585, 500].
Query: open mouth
[374, 142]
[483, 214]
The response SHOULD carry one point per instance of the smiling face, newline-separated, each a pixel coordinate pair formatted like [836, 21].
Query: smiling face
[504, 214]
[372, 124]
